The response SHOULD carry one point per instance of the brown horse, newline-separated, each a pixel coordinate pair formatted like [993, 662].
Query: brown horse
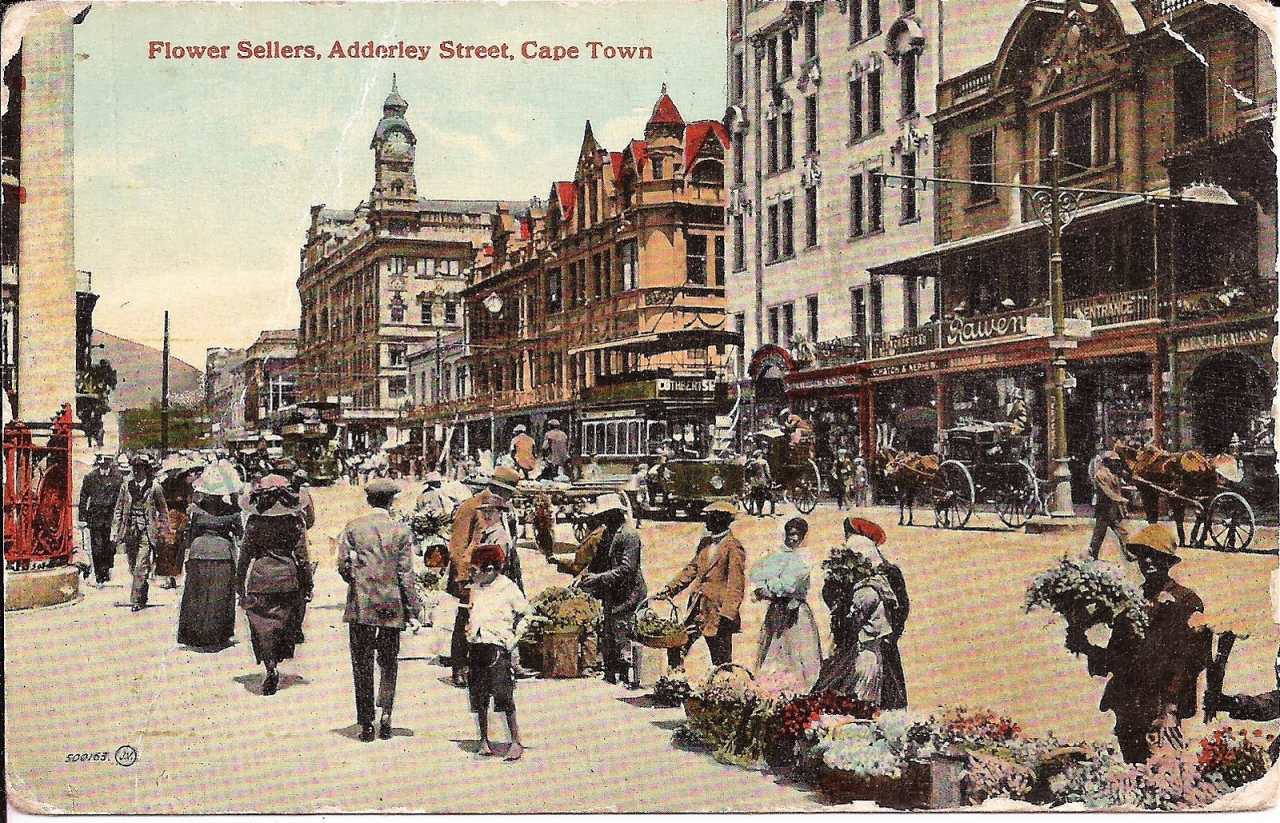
[909, 473]
[1187, 473]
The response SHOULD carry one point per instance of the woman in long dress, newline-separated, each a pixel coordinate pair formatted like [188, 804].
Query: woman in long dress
[207, 615]
[177, 490]
[274, 574]
[789, 655]
[861, 600]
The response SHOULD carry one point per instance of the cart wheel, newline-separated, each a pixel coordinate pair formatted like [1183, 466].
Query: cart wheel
[804, 495]
[1019, 501]
[1230, 520]
[952, 496]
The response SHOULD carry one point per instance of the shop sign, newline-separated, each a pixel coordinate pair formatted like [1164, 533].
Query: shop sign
[686, 385]
[1113, 309]
[1225, 340]
[609, 415]
[897, 369]
[771, 357]
[841, 348]
[820, 383]
[907, 342]
[636, 390]
[970, 360]
[964, 331]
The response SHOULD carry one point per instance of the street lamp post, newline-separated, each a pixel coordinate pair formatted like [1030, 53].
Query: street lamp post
[1063, 504]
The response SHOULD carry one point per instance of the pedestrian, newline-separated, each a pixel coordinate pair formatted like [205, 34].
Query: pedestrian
[98, 493]
[716, 580]
[615, 578]
[207, 614]
[469, 522]
[894, 688]
[861, 483]
[759, 484]
[522, 451]
[841, 476]
[176, 485]
[861, 600]
[555, 450]
[1153, 675]
[140, 518]
[1109, 504]
[274, 574]
[789, 651]
[496, 612]
[435, 511]
[375, 557]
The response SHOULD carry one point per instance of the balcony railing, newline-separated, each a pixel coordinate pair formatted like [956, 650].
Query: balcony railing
[1165, 8]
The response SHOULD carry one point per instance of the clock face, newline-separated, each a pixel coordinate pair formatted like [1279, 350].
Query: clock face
[397, 142]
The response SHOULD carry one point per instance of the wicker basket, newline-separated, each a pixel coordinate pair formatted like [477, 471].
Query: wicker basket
[698, 710]
[671, 640]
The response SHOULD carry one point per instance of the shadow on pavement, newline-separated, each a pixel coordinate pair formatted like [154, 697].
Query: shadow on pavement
[645, 701]
[253, 682]
[209, 649]
[668, 725]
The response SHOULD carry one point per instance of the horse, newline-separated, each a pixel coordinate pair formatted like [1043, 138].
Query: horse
[1189, 474]
[909, 473]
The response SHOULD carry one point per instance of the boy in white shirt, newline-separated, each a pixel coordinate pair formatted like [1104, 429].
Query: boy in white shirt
[498, 607]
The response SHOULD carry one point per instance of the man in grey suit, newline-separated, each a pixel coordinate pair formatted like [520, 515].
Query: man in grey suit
[614, 576]
[375, 558]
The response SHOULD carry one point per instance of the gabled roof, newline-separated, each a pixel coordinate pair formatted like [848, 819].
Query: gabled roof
[695, 135]
[639, 153]
[665, 112]
[567, 195]
[615, 160]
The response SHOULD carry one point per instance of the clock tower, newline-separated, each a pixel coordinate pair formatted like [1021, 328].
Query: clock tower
[393, 151]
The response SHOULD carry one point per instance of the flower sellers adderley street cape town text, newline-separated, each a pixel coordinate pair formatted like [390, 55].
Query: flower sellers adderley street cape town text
[400, 50]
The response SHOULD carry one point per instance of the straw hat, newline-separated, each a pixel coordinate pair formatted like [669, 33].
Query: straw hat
[607, 503]
[504, 478]
[721, 507]
[1156, 540]
[381, 485]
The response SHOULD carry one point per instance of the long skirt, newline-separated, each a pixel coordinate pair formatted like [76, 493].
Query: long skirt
[170, 550]
[855, 670]
[893, 692]
[207, 615]
[789, 655]
[273, 624]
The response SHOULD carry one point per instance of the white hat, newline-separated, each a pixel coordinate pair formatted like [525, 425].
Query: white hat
[1007, 303]
[607, 503]
[520, 428]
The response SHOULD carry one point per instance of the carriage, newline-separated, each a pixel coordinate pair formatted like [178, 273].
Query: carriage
[984, 463]
[794, 472]
[1223, 513]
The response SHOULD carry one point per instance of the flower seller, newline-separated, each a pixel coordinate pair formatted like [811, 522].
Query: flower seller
[789, 649]
[614, 576]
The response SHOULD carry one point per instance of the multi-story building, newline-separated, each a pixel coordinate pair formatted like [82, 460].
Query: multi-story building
[225, 393]
[822, 95]
[271, 371]
[378, 279]
[1170, 101]
[605, 310]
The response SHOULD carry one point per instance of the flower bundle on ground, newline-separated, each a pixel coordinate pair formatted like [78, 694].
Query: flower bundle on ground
[1087, 592]
[559, 609]
[1230, 759]
[1166, 782]
[430, 579]
[673, 688]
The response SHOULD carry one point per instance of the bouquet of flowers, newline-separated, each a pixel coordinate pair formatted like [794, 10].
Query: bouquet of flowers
[965, 729]
[801, 714]
[559, 609]
[1165, 782]
[1087, 592]
[1230, 759]
[424, 524]
[988, 776]
[672, 689]
[865, 759]
[656, 631]
[846, 567]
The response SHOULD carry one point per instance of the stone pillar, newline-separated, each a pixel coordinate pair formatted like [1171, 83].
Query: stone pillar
[46, 247]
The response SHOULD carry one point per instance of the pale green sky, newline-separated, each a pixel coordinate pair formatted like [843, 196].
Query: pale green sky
[194, 179]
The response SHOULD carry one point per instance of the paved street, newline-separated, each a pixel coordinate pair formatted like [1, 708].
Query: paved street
[92, 677]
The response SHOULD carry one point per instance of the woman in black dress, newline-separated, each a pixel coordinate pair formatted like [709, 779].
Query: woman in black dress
[275, 574]
[207, 616]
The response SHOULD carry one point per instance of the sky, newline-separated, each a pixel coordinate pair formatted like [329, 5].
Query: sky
[194, 179]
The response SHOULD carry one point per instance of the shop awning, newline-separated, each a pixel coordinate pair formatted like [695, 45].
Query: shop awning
[666, 341]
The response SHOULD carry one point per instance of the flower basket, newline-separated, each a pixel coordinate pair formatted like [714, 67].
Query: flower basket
[712, 714]
[530, 655]
[934, 783]
[560, 653]
[838, 786]
[657, 632]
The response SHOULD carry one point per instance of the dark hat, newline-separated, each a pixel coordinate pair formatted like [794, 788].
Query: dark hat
[488, 554]
[381, 485]
[797, 523]
[864, 527]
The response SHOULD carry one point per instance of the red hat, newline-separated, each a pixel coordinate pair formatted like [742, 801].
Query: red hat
[869, 530]
[488, 554]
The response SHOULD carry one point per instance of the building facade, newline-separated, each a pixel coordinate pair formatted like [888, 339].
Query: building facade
[270, 376]
[1178, 286]
[605, 308]
[822, 95]
[379, 279]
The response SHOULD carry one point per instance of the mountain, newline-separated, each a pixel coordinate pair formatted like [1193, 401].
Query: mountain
[138, 373]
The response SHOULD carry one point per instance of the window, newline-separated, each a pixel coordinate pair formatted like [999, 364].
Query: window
[908, 64]
[788, 228]
[855, 206]
[739, 77]
[426, 267]
[658, 167]
[858, 312]
[395, 354]
[695, 259]
[874, 123]
[395, 388]
[630, 264]
[719, 252]
[397, 311]
[553, 291]
[395, 265]
[771, 61]
[811, 124]
[739, 160]
[909, 206]
[811, 312]
[908, 7]
[1190, 101]
[788, 322]
[910, 302]
[426, 313]
[788, 139]
[855, 21]
[451, 312]
[580, 283]
[740, 356]
[810, 218]
[597, 277]
[739, 243]
[773, 232]
[772, 137]
[876, 308]
[982, 166]
[773, 325]
[1048, 142]
[855, 108]
[1077, 136]
[875, 202]
[873, 17]
[786, 58]
[1102, 129]
[810, 31]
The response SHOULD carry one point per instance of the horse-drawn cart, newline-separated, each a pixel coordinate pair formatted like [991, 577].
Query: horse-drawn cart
[984, 463]
[1226, 518]
[792, 467]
